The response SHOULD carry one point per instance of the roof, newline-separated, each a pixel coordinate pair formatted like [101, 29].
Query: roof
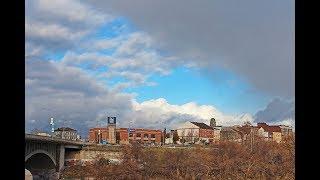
[245, 129]
[269, 128]
[202, 125]
[65, 129]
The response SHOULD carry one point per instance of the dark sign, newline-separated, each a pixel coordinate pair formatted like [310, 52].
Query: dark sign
[112, 120]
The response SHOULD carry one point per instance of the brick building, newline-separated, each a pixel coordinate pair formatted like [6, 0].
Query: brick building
[143, 136]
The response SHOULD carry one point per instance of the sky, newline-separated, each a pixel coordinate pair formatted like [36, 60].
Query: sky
[157, 64]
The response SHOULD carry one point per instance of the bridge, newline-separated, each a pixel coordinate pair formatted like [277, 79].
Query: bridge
[44, 153]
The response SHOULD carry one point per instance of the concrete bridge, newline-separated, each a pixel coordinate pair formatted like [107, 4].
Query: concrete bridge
[44, 153]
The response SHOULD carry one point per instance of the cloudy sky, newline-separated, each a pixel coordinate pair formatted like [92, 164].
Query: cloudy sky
[157, 64]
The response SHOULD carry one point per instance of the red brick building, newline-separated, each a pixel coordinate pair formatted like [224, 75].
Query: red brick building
[144, 136]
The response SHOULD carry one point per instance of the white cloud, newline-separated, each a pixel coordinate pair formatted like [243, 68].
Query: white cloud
[159, 113]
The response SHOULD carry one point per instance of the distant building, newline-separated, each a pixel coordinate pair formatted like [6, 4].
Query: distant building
[286, 131]
[169, 137]
[194, 132]
[230, 134]
[241, 134]
[39, 133]
[112, 130]
[126, 135]
[270, 133]
[43, 134]
[213, 122]
[66, 133]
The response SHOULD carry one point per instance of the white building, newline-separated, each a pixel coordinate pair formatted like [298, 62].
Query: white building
[195, 132]
[66, 133]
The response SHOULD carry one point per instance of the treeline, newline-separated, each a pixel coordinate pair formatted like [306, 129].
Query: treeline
[262, 160]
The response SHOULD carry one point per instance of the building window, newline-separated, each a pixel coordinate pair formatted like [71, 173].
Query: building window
[153, 136]
[130, 135]
[146, 135]
[138, 135]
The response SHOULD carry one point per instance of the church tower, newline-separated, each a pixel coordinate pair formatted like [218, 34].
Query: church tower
[213, 122]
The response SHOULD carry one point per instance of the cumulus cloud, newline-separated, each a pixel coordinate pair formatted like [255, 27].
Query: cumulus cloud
[159, 113]
[133, 58]
[278, 111]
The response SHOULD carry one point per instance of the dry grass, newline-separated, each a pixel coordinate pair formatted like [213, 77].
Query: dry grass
[268, 160]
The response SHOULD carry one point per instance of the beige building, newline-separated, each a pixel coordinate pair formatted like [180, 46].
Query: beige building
[66, 133]
[270, 133]
[217, 133]
[194, 132]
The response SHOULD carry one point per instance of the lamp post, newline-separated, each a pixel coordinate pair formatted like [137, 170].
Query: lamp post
[52, 126]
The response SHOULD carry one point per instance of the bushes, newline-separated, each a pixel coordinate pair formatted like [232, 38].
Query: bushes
[267, 160]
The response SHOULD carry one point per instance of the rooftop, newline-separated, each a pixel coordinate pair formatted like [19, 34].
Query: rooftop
[202, 125]
[268, 128]
[65, 129]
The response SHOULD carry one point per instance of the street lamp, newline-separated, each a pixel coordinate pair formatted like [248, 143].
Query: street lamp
[52, 125]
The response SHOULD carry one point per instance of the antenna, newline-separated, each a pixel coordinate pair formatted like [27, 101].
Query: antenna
[52, 125]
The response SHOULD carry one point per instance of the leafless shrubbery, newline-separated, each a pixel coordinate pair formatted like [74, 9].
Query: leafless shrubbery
[267, 160]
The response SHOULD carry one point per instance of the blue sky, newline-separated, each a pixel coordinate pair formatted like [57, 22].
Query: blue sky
[228, 93]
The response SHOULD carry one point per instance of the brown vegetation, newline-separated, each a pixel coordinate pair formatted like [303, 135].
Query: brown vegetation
[267, 160]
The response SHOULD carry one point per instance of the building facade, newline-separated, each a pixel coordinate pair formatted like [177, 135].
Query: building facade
[126, 135]
[194, 132]
[230, 134]
[286, 131]
[66, 133]
[269, 133]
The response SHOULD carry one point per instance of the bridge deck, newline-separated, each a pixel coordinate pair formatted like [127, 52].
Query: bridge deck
[32, 137]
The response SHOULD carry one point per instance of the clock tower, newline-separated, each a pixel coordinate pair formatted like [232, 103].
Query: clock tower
[112, 130]
[213, 122]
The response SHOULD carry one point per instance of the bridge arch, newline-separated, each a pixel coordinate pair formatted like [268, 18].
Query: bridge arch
[40, 151]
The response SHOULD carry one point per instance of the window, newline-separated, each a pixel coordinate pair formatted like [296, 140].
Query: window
[138, 135]
[130, 135]
[146, 135]
[153, 136]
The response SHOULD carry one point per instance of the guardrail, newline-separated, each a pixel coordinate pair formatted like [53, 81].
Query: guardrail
[54, 140]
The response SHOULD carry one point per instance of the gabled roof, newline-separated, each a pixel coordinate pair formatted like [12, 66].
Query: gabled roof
[202, 125]
[269, 128]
